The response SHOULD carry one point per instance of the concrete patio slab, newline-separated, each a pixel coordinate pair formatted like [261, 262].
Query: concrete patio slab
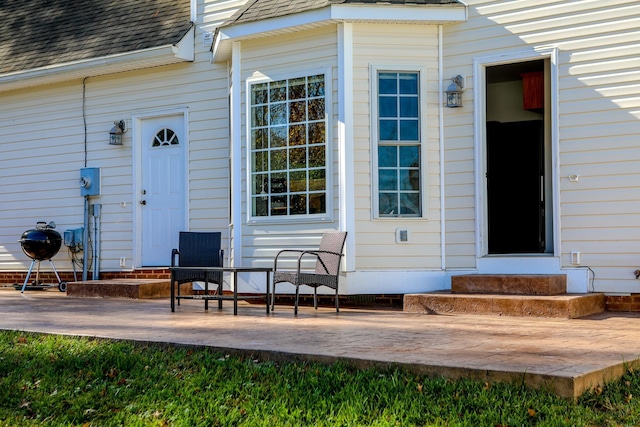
[566, 355]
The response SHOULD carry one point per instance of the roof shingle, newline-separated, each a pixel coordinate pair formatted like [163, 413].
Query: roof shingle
[37, 34]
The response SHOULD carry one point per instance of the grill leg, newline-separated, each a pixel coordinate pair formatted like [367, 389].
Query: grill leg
[55, 271]
[26, 280]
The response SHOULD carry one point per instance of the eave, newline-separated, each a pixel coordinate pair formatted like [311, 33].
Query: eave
[183, 51]
[348, 13]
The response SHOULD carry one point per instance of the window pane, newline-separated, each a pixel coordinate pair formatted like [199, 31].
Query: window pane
[410, 179]
[408, 130]
[316, 156]
[297, 111]
[259, 116]
[387, 156]
[260, 206]
[259, 94]
[410, 204]
[279, 182]
[388, 204]
[317, 203]
[297, 158]
[298, 181]
[317, 180]
[409, 106]
[278, 136]
[278, 160]
[388, 130]
[316, 133]
[388, 179]
[408, 83]
[278, 205]
[316, 109]
[410, 156]
[298, 204]
[297, 135]
[260, 184]
[278, 91]
[258, 139]
[278, 114]
[316, 86]
[388, 83]
[260, 161]
[388, 106]
[297, 88]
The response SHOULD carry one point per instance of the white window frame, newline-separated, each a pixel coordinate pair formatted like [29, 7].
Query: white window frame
[303, 218]
[374, 70]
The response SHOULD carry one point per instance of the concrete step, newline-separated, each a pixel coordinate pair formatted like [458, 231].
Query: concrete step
[121, 288]
[568, 306]
[510, 284]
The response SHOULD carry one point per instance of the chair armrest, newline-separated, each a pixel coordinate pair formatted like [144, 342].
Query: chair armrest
[174, 252]
[317, 252]
[221, 258]
[275, 262]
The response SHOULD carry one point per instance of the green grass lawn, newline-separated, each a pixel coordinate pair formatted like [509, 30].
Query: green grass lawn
[62, 381]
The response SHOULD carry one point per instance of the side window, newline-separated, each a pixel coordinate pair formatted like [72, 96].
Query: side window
[288, 147]
[398, 144]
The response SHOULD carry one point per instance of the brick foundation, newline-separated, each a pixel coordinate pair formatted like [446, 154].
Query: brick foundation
[622, 303]
[47, 275]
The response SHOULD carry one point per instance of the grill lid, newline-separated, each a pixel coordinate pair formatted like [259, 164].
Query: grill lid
[42, 242]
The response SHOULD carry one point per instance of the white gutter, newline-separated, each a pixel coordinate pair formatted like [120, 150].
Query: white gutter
[129, 61]
[443, 236]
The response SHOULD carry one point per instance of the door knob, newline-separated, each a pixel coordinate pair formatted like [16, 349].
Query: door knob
[143, 202]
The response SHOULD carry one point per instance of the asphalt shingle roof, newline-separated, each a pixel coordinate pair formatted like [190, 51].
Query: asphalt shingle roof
[256, 10]
[40, 33]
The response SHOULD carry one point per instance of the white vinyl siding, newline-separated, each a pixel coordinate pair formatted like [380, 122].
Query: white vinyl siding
[286, 56]
[598, 127]
[41, 156]
[396, 47]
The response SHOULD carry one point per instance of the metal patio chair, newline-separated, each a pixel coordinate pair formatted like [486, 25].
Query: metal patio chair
[198, 249]
[326, 273]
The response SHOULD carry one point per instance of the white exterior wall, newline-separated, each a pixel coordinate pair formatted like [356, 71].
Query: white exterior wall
[42, 150]
[291, 55]
[389, 47]
[597, 138]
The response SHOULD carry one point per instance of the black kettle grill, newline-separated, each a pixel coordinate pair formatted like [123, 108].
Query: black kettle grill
[40, 244]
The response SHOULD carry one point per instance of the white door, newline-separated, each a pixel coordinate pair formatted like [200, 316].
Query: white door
[162, 193]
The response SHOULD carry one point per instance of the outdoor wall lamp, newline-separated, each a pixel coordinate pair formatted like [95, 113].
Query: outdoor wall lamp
[453, 93]
[115, 134]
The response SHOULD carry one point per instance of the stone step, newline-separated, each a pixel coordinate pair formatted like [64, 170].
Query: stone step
[568, 306]
[121, 288]
[510, 284]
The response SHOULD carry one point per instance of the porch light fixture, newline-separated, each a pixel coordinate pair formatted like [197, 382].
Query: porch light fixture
[454, 92]
[115, 134]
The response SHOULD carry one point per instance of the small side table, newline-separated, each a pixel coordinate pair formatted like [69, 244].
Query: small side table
[220, 296]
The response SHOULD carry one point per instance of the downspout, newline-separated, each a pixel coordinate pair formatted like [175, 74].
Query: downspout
[443, 246]
[236, 156]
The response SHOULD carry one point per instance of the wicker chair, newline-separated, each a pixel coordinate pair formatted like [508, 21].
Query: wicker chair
[198, 249]
[326, 273]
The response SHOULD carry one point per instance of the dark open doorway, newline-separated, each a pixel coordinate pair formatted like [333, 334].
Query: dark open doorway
[517, 174]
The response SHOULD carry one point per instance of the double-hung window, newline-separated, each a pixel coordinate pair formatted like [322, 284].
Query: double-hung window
[288, 147]
[399, 192]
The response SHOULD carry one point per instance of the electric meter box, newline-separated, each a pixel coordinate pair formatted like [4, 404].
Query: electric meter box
[90, 181]
[73, 237]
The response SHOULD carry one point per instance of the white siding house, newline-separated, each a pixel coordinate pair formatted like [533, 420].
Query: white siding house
[537, 172]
